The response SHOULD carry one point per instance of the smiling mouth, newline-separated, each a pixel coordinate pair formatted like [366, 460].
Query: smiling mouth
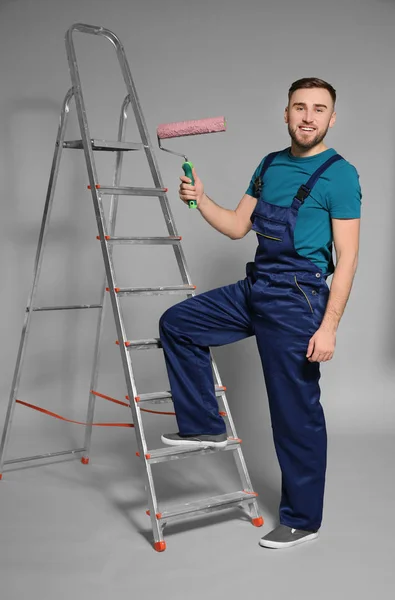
[307, 129]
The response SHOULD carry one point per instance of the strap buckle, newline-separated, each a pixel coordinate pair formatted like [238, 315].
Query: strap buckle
[258, 183]
[302, 193]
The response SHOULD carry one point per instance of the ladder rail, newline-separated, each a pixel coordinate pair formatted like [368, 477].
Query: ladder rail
[98, 208]
[239, 457]
[36, 274]
[97, 203]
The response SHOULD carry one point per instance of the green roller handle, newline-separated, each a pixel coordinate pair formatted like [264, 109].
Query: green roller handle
[188, 166]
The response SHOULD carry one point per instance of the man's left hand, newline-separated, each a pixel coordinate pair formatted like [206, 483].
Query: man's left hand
[321, 346]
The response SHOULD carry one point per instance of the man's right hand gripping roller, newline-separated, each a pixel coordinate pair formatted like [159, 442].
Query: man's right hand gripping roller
[183, 128]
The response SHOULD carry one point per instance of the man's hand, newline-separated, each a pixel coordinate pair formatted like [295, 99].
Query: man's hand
[321, 346]
[191, 192]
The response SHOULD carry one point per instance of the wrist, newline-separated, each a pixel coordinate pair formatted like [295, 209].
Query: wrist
[329, 327]
[202, 201]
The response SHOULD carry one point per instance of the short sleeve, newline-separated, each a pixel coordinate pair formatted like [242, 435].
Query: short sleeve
[251, 188]
[344, 194]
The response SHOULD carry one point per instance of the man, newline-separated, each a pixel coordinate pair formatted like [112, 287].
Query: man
[299, 201]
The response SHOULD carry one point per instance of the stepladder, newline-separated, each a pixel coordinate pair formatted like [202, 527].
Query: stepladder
[160, 516]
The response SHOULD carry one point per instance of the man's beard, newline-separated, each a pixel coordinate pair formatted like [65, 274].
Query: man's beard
[310, 144]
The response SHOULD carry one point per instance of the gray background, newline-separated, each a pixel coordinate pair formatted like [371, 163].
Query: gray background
[189, 60]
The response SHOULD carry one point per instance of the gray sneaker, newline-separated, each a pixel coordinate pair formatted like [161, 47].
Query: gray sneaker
[210, 441]
[285, 537]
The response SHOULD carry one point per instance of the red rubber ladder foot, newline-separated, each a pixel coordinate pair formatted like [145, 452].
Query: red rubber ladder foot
[85, 460]
[160, 546]
[258, 522]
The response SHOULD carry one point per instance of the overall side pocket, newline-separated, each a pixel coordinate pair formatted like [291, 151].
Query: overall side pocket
[304, 294]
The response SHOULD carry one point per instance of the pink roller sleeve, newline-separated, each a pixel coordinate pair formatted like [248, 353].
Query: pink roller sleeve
[181, 128]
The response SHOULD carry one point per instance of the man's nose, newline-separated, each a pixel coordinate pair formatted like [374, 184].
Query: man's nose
[308, 116]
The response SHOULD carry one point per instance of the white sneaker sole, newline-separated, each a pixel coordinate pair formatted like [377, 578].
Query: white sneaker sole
[272, 544]
[206, 444]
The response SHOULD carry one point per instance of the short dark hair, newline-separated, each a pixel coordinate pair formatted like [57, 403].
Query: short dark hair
[312, 82]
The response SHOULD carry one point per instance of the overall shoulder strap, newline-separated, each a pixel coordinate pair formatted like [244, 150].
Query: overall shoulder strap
[305, 190]
[258, 182]
[267, 162]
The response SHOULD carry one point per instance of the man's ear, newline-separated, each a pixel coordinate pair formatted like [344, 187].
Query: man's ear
[333, 119]
[286, 114]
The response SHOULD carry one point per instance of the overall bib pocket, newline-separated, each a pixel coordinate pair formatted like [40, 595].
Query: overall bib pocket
[269, 228]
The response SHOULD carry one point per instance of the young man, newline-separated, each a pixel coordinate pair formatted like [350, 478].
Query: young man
[299, 201]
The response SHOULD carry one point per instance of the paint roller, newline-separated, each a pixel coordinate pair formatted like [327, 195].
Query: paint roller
[183, 128]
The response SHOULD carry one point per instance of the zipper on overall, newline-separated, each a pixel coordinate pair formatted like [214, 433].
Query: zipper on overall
[304, 294]
[269, 237]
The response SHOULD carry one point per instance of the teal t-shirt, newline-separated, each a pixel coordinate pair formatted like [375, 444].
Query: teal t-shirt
[337, 194]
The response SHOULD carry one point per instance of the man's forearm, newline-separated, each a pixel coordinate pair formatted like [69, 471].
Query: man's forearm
[222, 219]
[339, 293]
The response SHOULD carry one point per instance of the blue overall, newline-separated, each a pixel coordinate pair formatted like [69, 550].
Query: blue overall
[281, 301]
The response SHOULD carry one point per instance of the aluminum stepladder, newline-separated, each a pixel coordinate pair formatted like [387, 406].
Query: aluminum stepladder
[246, 497]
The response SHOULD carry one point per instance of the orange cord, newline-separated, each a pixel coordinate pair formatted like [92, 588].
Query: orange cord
[52, 414]
[56, 416]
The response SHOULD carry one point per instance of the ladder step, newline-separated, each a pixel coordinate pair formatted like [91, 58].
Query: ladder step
[158, 241]
[148, 291]
[104, 145]
[130, 191]
[68, 307]
[162, 397]
[144, 344]
[176, 452]
[207, 505]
